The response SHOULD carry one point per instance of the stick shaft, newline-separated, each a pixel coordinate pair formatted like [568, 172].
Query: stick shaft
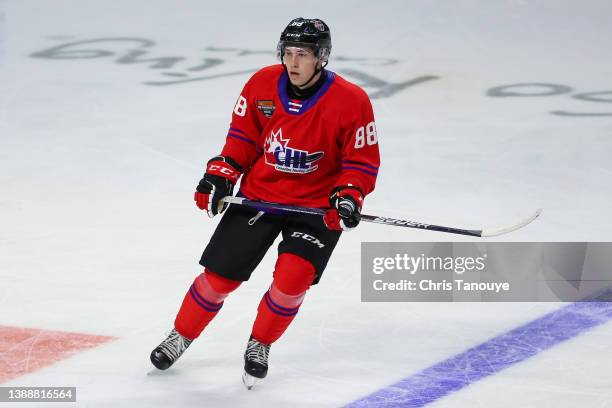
[364, 217]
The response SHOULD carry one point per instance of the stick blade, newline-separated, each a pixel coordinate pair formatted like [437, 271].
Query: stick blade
[494, 232]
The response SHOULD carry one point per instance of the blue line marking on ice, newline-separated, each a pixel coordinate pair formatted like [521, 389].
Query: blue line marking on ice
[491, 356]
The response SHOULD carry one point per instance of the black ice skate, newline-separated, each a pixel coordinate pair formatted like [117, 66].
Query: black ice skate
[255, 362]
[164, 355]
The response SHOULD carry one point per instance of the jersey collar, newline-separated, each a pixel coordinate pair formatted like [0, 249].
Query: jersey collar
[297, 107]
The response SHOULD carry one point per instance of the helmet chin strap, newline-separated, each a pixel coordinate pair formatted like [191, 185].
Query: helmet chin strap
[317, 70]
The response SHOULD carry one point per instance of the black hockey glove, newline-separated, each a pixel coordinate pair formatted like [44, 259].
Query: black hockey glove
[221, 175]
[344, 214]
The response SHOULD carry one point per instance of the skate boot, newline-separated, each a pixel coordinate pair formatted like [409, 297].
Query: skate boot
[164, 355]
[255, 362]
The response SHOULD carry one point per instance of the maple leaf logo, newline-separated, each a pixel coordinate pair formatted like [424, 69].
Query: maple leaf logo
[275, 141]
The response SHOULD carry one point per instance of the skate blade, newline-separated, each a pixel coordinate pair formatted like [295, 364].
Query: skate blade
[249, 381]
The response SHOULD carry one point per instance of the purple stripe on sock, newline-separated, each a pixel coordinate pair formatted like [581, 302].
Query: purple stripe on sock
[490, 357]
[285, 309]
[277, 309]
[205, 304]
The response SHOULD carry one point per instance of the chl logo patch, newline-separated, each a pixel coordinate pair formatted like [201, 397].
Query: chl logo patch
[266, 107]
[308, 238]
[285, 158]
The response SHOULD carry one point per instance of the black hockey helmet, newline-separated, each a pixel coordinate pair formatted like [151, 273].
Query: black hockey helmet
[310, 32]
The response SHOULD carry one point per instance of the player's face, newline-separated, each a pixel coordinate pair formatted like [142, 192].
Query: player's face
[301, 64]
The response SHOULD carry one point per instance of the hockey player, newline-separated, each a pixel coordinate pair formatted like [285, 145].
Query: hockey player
[300, 135]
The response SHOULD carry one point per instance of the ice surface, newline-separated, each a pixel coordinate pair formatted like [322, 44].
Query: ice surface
[99, 158]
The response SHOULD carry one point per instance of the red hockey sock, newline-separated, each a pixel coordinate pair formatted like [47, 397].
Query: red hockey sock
[278, 307]
[202, 303]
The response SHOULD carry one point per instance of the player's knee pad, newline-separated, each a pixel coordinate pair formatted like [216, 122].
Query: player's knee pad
[214, 287]
[293, 274]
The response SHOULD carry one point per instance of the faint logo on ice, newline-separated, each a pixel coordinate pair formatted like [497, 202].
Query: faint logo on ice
[216, 64]
[539, 89]
[2, 38]
[222, 62]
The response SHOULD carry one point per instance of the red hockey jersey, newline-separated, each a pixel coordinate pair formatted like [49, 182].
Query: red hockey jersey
[295, 152]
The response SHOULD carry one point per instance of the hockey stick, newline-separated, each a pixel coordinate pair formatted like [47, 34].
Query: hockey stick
[491, 232]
